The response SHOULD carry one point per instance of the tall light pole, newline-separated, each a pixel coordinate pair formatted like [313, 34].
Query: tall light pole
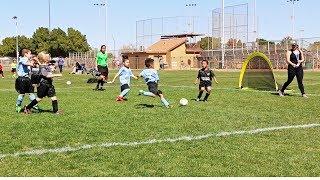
[222, 36]
[114, 46]
[104, 5]
[15, 18]
[49, 14]
[293, 2]
[301, 37]
[191, 5]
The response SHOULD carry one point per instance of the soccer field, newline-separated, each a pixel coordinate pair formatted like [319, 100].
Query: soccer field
[236, 133]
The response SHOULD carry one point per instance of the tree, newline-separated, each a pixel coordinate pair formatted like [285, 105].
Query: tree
[59, 44]
[207, 43]
[41, 40]
[8, 47]
[234, 43]
[314, 46]
[77, 41]
[264, 42]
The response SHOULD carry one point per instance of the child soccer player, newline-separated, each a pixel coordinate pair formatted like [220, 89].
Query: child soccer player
[1, 70]
[45, 88]
[151, 78]
[125, 75]
[205, 76]
[13, 68]
[23, 83]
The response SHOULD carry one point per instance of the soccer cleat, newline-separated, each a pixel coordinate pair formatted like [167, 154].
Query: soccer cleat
[281, 94]
[141, 92]
[60, 112]
[119, 99]
[18, 109]
[26, 111]
[102, 89]
[169, 107]
[305, 96]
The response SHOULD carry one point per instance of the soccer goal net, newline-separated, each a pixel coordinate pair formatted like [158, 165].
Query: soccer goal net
[257, 73]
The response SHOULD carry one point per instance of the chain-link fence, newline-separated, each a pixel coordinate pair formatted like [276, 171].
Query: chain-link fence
[275, 50]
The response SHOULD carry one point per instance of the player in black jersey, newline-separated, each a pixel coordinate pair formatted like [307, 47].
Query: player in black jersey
[205, 77]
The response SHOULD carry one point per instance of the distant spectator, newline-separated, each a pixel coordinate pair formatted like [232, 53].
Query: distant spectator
[161, 64]
[14, 68]
[1, 70]
[61, 63]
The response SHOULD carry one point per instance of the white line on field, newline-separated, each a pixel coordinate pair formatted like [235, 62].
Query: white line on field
[38, 152]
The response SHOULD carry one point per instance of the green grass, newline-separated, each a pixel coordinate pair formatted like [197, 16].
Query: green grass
[94, 118]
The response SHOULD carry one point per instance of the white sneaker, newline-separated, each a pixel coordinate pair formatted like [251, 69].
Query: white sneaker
[281, 94]
[305, 96]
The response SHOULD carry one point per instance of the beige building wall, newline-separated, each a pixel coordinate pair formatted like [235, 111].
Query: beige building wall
[179, 58]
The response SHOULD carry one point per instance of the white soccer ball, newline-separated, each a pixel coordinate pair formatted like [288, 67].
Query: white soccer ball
[184, 102]
[69, 82]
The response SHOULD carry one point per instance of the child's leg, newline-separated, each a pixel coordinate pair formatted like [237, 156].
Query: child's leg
[208, 89]
[32, 104]
[32, 97]
[19, 101]
[201, 90]
[125, 93]
[149, 94]
[54, 104]
[163, 100]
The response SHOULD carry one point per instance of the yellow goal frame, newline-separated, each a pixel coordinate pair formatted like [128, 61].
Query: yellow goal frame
[250, 58]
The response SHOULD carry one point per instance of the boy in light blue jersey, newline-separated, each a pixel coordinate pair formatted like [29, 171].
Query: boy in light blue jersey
[151, 78]
[23, 83]
[124, 75]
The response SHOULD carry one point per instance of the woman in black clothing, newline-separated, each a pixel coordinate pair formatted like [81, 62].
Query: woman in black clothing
[295, 58]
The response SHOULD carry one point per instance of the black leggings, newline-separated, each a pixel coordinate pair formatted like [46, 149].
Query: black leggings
[292, 72]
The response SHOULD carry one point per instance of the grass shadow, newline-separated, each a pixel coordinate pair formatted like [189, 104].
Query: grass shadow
[143, 106]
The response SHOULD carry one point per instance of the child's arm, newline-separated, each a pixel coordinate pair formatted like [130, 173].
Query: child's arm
[215, 80]
[198, 78]
[115, 77]
[214, 77]
[26, 63]
[135, 77]
[53, 75]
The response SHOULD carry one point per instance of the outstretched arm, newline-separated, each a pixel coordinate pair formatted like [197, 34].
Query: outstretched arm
[115, 77]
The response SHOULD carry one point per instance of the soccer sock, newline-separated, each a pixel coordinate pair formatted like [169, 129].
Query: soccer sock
[32, 97]
[206, 97]
[150, 94]
[55, 106]
[102, 83]
[200, 94]
[98, 85]
[19, 100]
[124, 92]
[33, 103]
[165, 102]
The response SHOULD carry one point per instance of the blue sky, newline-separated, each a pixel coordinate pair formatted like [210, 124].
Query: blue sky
[274, 16]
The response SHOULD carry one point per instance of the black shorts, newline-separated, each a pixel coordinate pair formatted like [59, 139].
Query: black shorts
[23, 85]
[13, 70]
[35, 78]
[153, 87]
[104, 71]
[46, 89]
[205, 84]
[124, 87]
